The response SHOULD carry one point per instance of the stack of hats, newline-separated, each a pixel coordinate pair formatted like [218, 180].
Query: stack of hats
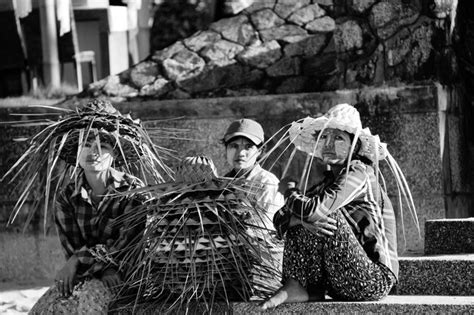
[200, 243]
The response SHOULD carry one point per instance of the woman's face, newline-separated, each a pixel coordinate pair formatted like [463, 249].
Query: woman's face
[334, 146]
[241, 153]
[96, 157]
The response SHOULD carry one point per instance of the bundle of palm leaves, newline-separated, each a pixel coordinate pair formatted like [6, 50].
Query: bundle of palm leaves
[51, 159]
[204, 243]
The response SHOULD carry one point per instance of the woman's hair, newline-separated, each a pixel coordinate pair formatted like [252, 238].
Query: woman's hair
[355, 155]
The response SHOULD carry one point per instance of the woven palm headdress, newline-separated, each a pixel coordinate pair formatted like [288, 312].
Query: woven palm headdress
[304, 135]
[204, 243]
[52, 156]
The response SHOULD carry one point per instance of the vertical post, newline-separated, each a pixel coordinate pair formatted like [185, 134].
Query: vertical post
[49, 42]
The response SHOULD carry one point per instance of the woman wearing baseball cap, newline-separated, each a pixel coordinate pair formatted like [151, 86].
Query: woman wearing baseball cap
[243, 142]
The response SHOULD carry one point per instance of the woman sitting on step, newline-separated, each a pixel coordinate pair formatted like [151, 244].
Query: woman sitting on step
[90, 148]
[340, 236]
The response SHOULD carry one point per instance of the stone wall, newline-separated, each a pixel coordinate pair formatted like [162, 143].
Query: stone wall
[281, 46]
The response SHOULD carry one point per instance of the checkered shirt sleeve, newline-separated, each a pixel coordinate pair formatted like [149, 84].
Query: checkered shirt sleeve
[93, 234]
[67, 220]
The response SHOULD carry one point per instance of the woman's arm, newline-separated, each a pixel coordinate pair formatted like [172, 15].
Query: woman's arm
[73, 245]
[69, 232]
[346, 187]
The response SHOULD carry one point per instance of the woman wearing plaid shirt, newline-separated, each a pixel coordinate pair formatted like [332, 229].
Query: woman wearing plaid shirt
[96, 143]
[340, 236]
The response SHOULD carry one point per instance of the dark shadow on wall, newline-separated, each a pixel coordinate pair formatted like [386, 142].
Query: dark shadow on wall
[463, 43]
[177, 19]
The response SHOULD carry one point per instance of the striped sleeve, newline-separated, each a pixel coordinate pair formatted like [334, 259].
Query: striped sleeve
[347, 186]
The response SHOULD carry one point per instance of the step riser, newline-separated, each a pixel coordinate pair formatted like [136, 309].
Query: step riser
[354, 308]
[449, 236]
[388, 305]
[435, 277]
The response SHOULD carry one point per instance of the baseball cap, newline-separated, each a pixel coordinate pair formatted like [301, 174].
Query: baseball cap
[247, 128]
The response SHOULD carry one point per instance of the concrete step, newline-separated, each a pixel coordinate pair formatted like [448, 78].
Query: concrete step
[436, 275]
[393, 304]
[449, 236]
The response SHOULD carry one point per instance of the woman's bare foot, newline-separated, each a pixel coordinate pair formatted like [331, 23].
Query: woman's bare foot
[292, 291]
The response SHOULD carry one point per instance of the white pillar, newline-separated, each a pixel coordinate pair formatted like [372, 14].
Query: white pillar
[49, 43]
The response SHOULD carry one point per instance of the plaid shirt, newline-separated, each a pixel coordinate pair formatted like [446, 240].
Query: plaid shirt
[85, 228]
[363, 202]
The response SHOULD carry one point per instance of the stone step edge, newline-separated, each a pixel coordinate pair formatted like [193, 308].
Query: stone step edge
[467, 220]
[440, 257]
[392, 303]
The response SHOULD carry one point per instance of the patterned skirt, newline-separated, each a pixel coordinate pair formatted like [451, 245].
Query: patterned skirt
[336, 265]
[88, 297]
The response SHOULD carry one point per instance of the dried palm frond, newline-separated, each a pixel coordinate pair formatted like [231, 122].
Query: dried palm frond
[52, 156]
[204, 243]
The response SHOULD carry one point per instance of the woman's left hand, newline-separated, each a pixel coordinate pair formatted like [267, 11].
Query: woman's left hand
[326, 226]
[65, 277]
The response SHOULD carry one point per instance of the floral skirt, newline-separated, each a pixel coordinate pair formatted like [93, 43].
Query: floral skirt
[336, 265]
[88, 297]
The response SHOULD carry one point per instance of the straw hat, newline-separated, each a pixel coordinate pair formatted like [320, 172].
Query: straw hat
[303, 133]
[64, 138]
[99, 118]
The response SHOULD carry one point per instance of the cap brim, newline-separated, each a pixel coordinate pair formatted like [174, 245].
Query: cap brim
[252, 138]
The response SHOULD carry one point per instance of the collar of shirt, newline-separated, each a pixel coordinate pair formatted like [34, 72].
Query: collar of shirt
[116, 179]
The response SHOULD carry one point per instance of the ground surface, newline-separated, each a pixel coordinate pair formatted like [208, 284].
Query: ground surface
[19, 298]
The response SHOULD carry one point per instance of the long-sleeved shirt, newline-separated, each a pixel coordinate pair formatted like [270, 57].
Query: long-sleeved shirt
[265, 192]
[85, 228]
[363, 202]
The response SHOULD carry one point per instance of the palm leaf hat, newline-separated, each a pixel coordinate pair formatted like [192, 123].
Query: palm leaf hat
[204, 243]
[52, 156]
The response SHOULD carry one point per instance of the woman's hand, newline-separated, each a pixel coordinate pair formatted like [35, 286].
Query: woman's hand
[111, 279]
[325, 226]
[65, 277]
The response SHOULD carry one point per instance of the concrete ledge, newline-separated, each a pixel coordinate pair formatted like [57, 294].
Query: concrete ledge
[449, 236]
[26, 259]
[393, 304]
[436, 275]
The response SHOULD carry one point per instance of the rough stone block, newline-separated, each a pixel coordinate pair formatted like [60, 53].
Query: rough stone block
[266, 19]
[306, 14]
[449, 236]
[324, 24]
[144, 73]
[277, 33]
[201, 40]
[183, 65]
[436, 275]
[261, 56]
[285, 7]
